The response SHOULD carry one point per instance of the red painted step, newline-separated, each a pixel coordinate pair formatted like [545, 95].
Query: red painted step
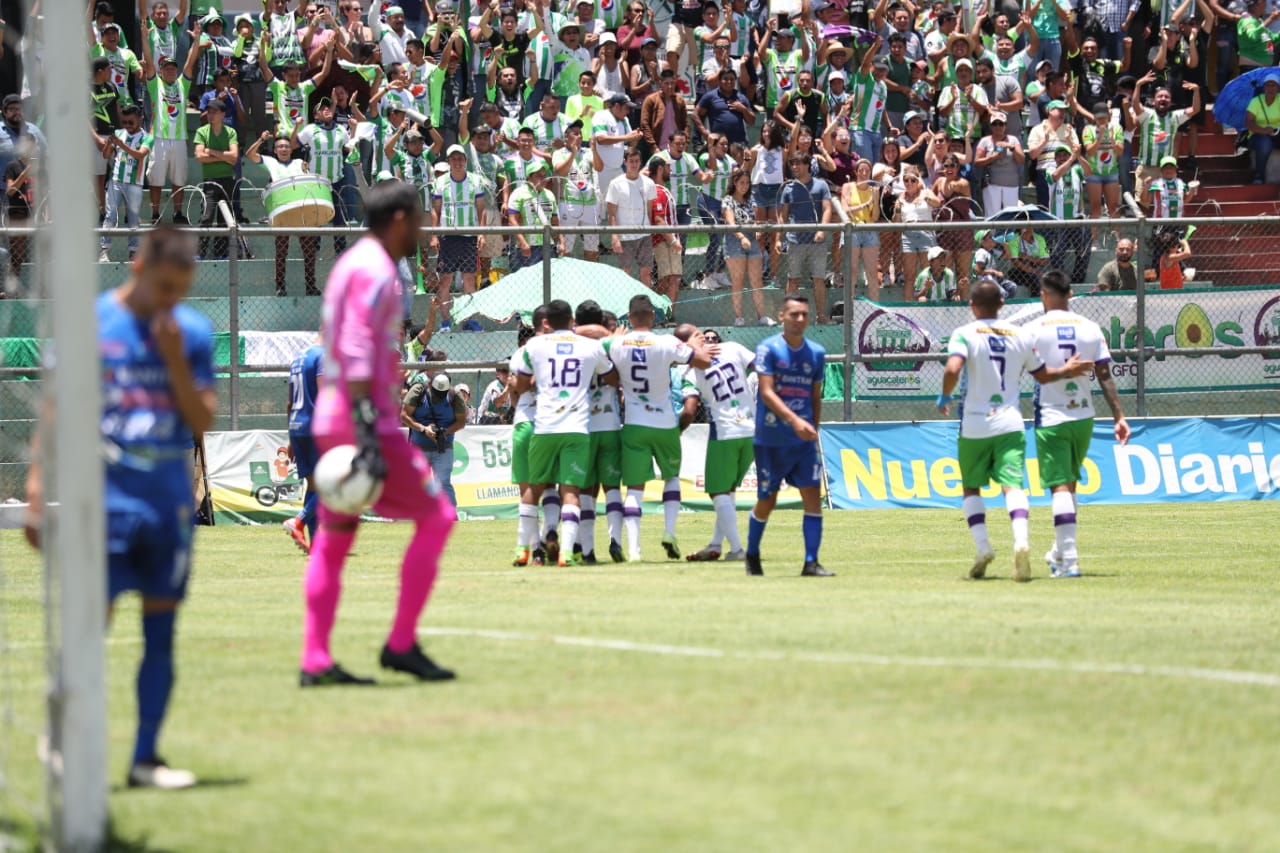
[1216, 144]
[1246, 192]
[1234, 208]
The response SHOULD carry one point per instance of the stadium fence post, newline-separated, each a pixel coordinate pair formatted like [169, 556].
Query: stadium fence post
[233, 293]
[850, 288]
[546, 261]
[1143, 242]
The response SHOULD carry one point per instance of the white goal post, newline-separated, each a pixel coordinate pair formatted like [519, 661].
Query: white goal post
[75, 540]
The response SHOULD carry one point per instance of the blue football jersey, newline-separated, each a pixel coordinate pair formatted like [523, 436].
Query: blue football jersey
[795, 372]
[148, 445]
[304, 387]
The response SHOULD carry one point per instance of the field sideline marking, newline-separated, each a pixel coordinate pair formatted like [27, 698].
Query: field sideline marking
[1229, 676]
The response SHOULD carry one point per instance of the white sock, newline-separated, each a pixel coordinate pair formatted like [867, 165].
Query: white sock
[550, 511]
[527, 528]
[613, 514]
[568, 531]
[671, 504]
[587, 524]
[1064, 527]
[631, 520]
[1015, 500]
[975, 512]
[727, 515]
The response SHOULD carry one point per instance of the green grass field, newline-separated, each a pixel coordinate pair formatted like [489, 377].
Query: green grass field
[681, 707]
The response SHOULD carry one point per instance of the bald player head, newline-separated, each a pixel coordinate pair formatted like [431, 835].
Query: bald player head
[685, 332]
[986, 300]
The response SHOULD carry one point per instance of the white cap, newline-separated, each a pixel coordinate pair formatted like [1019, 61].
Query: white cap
[462, 388]
[836, 75]
[936, 252]
[608, 38]
[440, 382]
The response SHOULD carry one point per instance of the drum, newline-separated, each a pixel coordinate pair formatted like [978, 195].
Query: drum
[302, 201]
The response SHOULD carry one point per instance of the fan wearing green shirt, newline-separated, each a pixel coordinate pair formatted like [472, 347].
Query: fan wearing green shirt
[169, 93]
[164, 30]
[218, 152]
[532, 205]
[290, 97]
[124, 64]
[1067, 202]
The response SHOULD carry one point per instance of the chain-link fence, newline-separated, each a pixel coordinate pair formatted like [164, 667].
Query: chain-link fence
[1189, 307]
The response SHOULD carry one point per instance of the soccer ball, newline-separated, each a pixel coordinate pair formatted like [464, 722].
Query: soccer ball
[341, 489]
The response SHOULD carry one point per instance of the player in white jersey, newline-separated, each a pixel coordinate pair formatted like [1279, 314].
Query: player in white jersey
[562, 365]
[724, 390]
[992, 355]
[1064, 411]
[650, 431]
[521, 433]
[605, 469]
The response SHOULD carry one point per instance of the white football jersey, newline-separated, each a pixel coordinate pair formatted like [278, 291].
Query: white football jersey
[563, 366]
[606, 410]
[1057, 336]
[725, 392]
[526, 403]
[644, 362]
[996, 354]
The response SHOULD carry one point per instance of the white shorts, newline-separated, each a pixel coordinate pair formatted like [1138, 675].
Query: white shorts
[584, 216]
[168, 163]
[98, 163]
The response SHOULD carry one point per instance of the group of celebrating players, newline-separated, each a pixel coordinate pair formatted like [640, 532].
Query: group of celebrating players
[596, 412]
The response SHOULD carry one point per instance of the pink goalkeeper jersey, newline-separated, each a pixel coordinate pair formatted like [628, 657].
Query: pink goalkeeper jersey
[361, 337]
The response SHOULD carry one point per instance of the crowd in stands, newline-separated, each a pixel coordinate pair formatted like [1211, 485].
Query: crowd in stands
[582, 112]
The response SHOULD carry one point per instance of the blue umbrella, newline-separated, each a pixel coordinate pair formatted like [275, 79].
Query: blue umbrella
[1234, 98]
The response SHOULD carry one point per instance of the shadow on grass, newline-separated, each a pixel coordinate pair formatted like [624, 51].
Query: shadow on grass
[202, 784]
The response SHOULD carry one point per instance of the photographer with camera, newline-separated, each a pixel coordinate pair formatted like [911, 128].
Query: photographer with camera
[433, 412]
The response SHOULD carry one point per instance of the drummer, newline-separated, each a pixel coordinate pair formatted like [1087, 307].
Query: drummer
[281, 167]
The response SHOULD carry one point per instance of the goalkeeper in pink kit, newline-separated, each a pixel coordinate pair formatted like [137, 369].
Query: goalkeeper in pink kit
[359, 404]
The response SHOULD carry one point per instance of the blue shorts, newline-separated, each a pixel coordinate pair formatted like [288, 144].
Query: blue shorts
[797, 464]
[765, 195]
[458, 253]
[1102, 179]
[305, 454]
[149, 550]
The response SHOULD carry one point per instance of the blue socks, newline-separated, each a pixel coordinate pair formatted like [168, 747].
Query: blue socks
[155, 680]
[812, 528]
[310, 512]
[755, 532]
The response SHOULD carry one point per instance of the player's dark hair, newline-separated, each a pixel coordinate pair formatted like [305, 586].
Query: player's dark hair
[589, 313]
[640, 304]
[559, 314]
[610, 320]
[1057, 281]
[587, 74]
[795, 297]
[382, 202]
[539, 317]
[99, 63]
[522, 131]
[985, 62]
[131, 110]
[986, 295]
[169, 246]
[418, 43]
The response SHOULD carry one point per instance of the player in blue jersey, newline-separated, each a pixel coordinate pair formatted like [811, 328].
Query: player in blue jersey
[304, 386]
[157, 388]
[790, 368]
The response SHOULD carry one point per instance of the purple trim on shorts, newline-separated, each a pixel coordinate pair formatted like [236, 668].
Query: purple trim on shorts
[1015, 514]
[1065, 518]
[671, 496]
[980, 518]
[613, 506]
[631, 512]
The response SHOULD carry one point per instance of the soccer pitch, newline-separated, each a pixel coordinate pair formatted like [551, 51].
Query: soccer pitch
[668, 706]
